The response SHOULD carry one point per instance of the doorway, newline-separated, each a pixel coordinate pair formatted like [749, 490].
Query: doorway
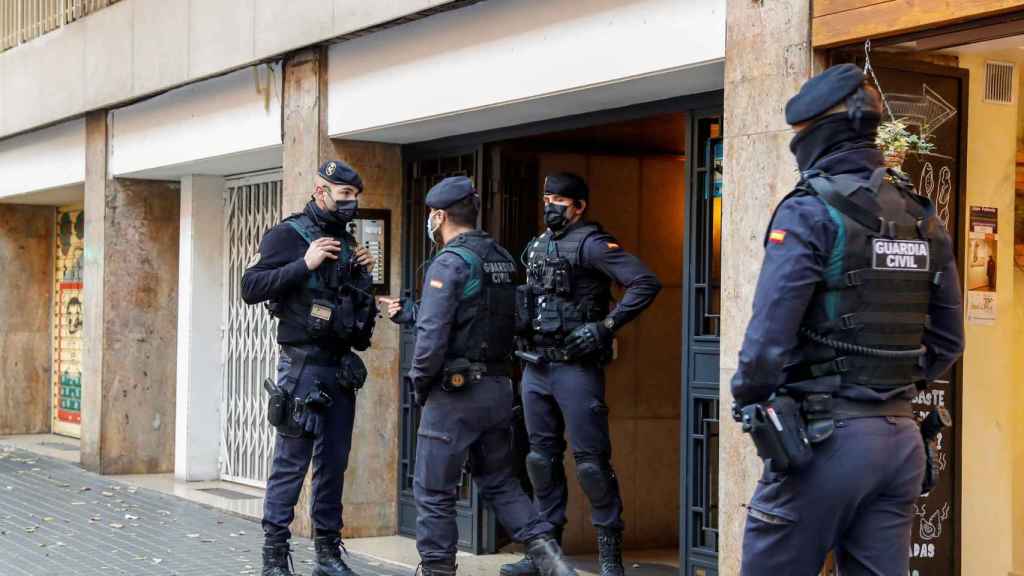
[637, 171]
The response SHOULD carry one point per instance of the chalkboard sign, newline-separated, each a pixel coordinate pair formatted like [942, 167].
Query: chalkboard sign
[930, 100]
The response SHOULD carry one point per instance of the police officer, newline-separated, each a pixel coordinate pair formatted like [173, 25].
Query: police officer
[858, 302]
[460, 376]
[315, 279]
[567, 325]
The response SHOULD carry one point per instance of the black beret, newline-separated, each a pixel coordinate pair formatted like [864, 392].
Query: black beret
[819, 94]
[337, 172]
[566, 184]
[449, 191]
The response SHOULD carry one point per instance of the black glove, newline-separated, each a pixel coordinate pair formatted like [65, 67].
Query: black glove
[587, 339]
[419, 393]
[308, 412]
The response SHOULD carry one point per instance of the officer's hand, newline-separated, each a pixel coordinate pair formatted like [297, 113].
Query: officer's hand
[364, 258]
[321, 249]
[587, 339]
[393, 305]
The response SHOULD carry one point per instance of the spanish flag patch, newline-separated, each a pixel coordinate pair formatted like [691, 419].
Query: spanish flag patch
[777, 236]
[436, 284]
[613, 246]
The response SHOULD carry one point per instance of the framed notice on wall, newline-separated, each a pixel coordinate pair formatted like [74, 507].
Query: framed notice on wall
[372, 230]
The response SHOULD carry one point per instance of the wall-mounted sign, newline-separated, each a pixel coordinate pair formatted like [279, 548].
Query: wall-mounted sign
[983, 241]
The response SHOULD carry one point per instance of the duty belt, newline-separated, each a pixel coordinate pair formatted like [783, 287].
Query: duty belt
[845, 409]
[314, 355]
[492, 369]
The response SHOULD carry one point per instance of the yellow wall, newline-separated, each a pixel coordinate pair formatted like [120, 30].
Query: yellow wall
[991, 400]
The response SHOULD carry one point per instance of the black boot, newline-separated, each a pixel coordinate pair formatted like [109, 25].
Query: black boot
[445, 568]
[546, 555]
[525, 566]
[277, 559]
[609, 549]
[328, 557]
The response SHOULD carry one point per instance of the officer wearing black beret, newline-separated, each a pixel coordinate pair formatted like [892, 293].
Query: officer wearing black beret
[566, 326]
[857, 308]
[460, 376]
[314, 278]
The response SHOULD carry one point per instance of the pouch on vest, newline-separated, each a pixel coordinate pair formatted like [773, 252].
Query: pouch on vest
[525, 309]
[321, 312]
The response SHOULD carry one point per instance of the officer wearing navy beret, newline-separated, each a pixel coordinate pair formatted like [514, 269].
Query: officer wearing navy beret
[567, 324]
[460, 376]
[315, 279]
[857, 308]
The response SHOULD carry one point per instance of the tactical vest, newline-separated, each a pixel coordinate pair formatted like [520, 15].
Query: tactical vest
[334, 307]
[866, 321]
[485, 317]
[562, 293]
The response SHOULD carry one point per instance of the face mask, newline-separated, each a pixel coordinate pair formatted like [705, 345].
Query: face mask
[432, 228]
[345, 210]
[554, 216]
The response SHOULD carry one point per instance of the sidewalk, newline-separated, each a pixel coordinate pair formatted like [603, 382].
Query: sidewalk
[56, 518]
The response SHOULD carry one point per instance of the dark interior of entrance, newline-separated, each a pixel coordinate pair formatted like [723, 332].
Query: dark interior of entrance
[636, 171]
[637, 177]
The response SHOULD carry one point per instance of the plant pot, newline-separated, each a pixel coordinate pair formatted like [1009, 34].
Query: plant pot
[895, 158]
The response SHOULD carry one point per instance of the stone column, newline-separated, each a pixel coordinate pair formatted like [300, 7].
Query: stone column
[131, 285]
[200, 317]
[303, 133]
[371, 493]
[26, 257]
[371, 501]
[767, 57]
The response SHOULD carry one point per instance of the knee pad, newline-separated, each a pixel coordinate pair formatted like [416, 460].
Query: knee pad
[543, 471]
[597, 481]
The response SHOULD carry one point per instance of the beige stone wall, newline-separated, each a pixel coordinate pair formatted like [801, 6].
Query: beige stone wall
[371, 494]
[641, 201]
[26, 257]
[371, 483]
[767, 58]
[131, 295]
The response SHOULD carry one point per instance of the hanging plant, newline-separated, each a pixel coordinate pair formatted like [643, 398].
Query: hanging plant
[895, 141]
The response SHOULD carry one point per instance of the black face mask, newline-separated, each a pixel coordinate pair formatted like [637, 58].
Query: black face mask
[831, 134]
[345, 211]
[554, 216]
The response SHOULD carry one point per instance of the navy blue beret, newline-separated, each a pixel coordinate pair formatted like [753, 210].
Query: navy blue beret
[449, 191]
[566, 184]
[819, 94]
[337, 172]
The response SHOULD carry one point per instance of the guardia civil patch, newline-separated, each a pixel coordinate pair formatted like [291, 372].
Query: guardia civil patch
[900, 255]
[254, 260]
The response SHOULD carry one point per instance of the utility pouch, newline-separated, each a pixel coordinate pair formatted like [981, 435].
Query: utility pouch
[525, 309]
[352, 372]
[556, 277]
[778, 433]
[320, 314]
[819, 417]
[278, 408]
[457, 375]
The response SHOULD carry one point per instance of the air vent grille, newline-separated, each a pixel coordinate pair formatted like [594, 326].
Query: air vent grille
[999, 82]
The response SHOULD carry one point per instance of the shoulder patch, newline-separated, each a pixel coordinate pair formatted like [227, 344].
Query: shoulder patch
[613, 245]
[435, 283]
[777, 236]
[254, 260]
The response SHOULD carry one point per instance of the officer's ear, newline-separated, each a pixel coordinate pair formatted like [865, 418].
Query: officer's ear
[580, 205]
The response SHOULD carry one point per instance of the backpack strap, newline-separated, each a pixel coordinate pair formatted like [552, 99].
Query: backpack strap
[304, 228]
[474, 284]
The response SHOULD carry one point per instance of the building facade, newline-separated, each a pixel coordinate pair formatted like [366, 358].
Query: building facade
[135, 193]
